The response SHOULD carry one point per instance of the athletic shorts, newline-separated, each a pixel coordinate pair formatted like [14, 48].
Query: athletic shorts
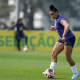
[69, 41]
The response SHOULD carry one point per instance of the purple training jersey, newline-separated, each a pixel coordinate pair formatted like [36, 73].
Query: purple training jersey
[60, 28]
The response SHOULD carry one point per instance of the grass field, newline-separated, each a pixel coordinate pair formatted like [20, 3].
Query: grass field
[30, 65]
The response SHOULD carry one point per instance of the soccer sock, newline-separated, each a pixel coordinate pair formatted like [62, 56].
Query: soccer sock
[25, 45]
[53, 65]
[74, 69]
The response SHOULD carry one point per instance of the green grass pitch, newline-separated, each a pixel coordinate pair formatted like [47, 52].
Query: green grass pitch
[15, 65]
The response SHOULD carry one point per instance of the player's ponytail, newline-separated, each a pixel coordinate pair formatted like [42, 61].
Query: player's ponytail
[52, 8]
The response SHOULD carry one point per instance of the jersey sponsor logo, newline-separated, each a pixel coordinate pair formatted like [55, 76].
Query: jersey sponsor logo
[20, 28]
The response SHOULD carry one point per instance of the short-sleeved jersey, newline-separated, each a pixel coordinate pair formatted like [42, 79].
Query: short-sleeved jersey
[19, 28]
[60, 28]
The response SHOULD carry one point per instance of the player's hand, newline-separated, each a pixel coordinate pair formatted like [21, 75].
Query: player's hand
[52, 28]
[63, 39]
[29, 29]
[7, 29]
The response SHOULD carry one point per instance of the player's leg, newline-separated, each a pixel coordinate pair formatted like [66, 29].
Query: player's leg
[18, 42]
[59, 46]
[26, 47]
[68, 51]
[26, 39]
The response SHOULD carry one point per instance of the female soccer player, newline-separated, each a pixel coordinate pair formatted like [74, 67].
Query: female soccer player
[19, 33]
[66, 41]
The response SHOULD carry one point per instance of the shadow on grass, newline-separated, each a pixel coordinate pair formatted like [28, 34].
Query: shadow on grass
[59, 78]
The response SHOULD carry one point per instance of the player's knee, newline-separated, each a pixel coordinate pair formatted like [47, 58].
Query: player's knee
[68, 59]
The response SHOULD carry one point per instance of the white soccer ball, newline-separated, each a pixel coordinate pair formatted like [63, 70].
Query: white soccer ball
[49, 73]
[25, 49]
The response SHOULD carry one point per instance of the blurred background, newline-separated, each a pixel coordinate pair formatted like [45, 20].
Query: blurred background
[35, 13]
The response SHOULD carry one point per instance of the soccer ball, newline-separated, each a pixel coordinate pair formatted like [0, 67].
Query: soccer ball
[49, 73]
[25, 49]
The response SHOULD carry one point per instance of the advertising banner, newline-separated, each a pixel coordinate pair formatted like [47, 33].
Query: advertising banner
[37, 41]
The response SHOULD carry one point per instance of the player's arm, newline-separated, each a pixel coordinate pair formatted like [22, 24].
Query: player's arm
[11, 27]
[52, 28]
[66, 26]
[26, 28]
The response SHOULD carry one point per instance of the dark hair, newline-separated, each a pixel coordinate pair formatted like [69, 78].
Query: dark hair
[52, 8]
[19, 20]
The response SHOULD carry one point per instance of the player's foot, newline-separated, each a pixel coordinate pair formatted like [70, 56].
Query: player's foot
[75, 75]
[43, 73]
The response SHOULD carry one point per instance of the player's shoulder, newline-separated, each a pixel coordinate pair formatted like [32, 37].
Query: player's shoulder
[60, 16]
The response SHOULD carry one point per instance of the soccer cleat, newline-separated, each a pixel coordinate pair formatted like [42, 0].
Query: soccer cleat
[75, 75]
[43, 73]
